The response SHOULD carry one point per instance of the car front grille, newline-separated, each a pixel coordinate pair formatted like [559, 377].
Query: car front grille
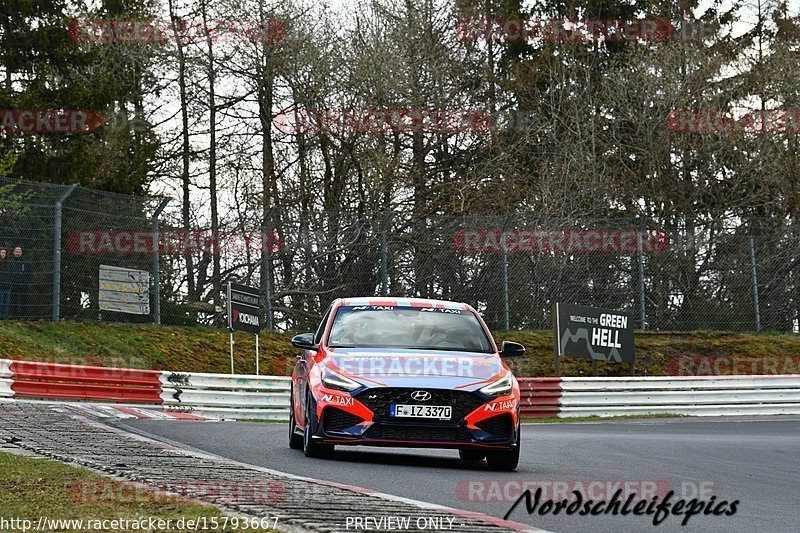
[334, 419]
[499, 426]
[378, 431]
[379, 399]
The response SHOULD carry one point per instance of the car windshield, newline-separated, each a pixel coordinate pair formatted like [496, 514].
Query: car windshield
[369, 326]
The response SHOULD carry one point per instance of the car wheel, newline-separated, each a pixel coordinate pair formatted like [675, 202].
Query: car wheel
[311, 448]
[295, 440]
[505, 460]
[471, 456]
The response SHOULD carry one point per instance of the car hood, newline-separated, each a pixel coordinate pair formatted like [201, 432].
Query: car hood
[415, 368]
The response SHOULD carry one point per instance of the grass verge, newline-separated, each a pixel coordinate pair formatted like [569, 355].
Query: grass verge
[206, 349]
[34, 488]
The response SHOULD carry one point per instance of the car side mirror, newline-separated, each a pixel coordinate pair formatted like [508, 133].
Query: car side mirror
[511, 349]
[305, 341]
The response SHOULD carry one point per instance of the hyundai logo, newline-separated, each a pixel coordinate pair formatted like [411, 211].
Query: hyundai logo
[421, 395]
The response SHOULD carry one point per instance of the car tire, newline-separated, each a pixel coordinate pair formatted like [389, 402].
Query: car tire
[471, 456]
[310, 448]
[505, 460]
[295, 440]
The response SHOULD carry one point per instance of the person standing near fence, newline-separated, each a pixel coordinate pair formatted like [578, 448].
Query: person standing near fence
[20, 281]
[5, 283]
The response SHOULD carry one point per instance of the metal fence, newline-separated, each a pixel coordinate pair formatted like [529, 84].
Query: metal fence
[62, 281]
[676, 274]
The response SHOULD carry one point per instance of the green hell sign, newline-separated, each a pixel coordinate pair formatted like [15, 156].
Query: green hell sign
[593, 333]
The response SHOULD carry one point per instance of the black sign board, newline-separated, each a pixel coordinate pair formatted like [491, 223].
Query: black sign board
[243, 308]
[593, 333]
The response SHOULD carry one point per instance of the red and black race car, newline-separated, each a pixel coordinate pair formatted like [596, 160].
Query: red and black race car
[405, 372]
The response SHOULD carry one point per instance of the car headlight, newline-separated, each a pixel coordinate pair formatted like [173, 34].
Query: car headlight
[501, 387]
[333, 380]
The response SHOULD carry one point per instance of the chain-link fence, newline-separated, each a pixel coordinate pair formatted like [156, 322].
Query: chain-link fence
[90, 255]
[727, 274]
[62, 235]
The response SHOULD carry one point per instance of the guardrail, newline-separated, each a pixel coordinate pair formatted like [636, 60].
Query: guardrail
[652, 395]
[540, 397]
[205, 395]
[267, 397]
[5, 379]
[51, 380]
[228, 396]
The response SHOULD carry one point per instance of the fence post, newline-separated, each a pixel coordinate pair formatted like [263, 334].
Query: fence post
[750, 232]
[385, 255]
[266, 274]
[156, 263]
[57, 253]
[640, 254]
[504, 266]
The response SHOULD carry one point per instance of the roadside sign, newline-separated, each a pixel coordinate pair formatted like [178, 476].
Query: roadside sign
[124, 290]
[243, 308]
[593, 333]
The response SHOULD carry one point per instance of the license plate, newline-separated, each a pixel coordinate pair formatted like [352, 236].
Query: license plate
[442, 412]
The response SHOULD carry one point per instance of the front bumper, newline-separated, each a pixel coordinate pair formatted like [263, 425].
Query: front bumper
[477, 421]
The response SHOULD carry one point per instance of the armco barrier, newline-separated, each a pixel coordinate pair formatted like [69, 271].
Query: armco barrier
[267, 397]
[540, 397]
[57, 381]
[652, 395]
[5, 379]
[227, 396]
[209, 395]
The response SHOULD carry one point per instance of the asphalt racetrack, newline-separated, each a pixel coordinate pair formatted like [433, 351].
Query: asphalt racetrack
[755, 461]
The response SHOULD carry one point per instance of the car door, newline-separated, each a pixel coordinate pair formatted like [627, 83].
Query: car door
[303, 367]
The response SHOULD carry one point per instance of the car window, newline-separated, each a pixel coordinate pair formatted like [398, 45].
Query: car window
[408, 327]
[321, 327]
